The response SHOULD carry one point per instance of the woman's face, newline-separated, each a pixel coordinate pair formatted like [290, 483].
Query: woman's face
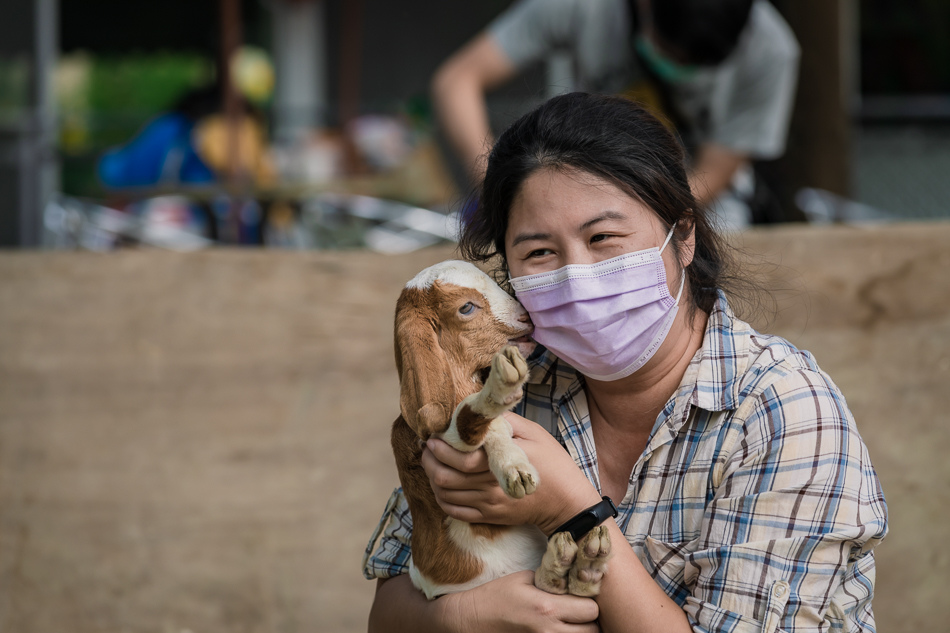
[572, 217]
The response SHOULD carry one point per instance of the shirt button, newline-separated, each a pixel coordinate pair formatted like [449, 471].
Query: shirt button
[780, 589]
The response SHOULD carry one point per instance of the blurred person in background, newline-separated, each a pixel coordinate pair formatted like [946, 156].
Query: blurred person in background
[189, 144]
[722, 72]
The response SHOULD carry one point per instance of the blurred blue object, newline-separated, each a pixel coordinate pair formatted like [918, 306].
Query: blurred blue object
[161, 153]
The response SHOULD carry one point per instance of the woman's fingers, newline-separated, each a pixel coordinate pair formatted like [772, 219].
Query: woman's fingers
[468, 514]
[471, 497]
[474, 462]
[448, 474]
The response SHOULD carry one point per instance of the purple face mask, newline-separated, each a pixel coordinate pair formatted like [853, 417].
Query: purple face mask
[605, 319]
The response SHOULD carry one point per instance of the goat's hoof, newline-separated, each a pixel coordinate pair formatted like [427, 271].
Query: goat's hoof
[563, 549]
[589, 566]
[510, 366]
[508, 373]
[551, 576]
[517, 361]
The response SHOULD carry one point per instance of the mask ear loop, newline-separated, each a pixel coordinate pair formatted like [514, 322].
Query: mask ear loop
[669, 236]
[682, 283]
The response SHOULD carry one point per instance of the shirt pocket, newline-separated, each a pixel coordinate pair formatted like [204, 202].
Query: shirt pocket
[668, 565]
[710, 617]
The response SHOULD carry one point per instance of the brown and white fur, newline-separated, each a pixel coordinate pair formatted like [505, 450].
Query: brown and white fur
[460, 343]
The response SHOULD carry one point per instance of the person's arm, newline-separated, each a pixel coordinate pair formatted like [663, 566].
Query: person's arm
[511, 603]
[398, 606]
[755, 124]
[458, 93]
[713, 171]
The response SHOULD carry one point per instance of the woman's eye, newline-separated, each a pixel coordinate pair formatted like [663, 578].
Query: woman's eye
[600, 237]
[541, 252]
[468, 308]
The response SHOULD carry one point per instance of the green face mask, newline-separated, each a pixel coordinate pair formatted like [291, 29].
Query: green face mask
[664, 67]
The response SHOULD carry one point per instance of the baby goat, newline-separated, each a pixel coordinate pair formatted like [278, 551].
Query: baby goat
[460, 343]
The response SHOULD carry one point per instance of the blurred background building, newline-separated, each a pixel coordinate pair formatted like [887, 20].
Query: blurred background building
[328, 139]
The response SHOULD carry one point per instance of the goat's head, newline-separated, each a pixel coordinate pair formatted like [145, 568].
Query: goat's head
[451, 319]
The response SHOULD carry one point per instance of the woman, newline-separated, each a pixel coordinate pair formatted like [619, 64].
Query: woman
[744, 491]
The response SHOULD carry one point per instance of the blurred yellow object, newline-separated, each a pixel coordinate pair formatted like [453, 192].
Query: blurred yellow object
[253, 73]
[211, 142]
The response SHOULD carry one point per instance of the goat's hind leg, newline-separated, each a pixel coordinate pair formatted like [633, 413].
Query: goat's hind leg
[590, 565]
[575, 568]
[558, 558]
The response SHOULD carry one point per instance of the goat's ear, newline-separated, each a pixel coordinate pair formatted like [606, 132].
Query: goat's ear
[426, 391]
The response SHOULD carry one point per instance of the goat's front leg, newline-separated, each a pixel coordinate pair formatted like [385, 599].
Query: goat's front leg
[478, 421]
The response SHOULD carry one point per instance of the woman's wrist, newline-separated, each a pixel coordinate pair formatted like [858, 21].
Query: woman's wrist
[569, 508]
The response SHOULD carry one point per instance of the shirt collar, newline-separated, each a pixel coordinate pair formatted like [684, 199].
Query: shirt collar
[548, 370]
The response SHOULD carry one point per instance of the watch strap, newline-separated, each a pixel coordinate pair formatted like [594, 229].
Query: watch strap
[588, 519]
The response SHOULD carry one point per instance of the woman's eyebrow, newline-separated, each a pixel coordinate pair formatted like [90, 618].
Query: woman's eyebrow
[606, 215]
[528, 237]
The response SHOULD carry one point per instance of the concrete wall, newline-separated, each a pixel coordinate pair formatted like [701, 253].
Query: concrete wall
[200, 442]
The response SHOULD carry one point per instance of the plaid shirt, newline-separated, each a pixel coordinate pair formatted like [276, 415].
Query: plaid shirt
[754, 506]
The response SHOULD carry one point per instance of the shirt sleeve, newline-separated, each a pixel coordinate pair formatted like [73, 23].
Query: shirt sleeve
[757, 110]
[795, 510]
[388, 551]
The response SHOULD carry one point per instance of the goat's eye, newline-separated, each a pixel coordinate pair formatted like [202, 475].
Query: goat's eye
[468, 308]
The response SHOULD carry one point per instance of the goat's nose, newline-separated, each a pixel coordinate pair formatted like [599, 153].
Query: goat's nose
[524, 318]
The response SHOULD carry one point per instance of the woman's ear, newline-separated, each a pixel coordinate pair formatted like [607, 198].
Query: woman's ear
[686, 235]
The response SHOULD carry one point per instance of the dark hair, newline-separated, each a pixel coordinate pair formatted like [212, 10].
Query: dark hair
[705, 31]
[612, 138]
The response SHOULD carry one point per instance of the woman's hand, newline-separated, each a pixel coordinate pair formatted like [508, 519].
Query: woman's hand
[466, 489]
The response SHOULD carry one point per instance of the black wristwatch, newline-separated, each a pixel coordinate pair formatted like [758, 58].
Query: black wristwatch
[588, 519]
